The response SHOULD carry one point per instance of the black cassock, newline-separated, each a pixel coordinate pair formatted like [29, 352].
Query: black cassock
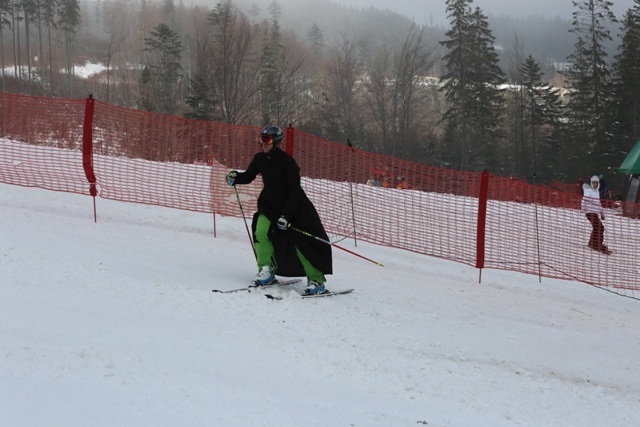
[283, 195]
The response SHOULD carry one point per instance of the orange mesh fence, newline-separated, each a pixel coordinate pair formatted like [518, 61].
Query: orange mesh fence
[475, 218]
[42, 142]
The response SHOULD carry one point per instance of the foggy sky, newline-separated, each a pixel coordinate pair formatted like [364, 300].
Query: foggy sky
[433, 11]
[430, 12]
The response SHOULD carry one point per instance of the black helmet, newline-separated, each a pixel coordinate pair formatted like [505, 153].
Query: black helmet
[271, 135]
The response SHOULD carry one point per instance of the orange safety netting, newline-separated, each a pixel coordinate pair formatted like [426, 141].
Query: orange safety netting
[89, 147]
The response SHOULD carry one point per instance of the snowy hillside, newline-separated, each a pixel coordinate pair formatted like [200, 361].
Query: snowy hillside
[114, 324]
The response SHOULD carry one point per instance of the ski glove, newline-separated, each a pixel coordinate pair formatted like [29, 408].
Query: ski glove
[231, 177]
[283, 223]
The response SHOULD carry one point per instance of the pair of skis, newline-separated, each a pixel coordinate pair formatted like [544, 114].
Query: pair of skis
[287, 283]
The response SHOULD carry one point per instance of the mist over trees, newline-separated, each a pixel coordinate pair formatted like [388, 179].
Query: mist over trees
[457, 97]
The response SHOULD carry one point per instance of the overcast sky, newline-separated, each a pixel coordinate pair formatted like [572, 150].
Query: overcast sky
[425, 11]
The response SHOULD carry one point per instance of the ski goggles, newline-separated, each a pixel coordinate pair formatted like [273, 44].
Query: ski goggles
[266, 139]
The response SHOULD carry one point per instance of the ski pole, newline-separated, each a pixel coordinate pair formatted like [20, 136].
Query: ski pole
[358, 255]
[353, 211]
[306, 233]
[245, 222]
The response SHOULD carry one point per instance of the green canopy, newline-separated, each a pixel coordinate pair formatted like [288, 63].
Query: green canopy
[631, 164]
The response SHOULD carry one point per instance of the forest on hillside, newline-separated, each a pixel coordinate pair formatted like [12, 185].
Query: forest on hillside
[532, 97]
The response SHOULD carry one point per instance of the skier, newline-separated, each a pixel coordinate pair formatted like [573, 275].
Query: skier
[282, 204]
[591, 207]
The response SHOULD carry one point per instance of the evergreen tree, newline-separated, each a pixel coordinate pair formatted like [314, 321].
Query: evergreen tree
[627, 80]
[169, 13]
[30, 9]
[164, 66]
[315, 37]
[168, 7]
[5, 10]
[275, 10]
[144, 83]
[69, 21]
[272, 50]
[471, 86]
[48, 16]
[201, 103]
[284, 83]
[16, 18]
[543, 111]
[514, 161]
[589, 105]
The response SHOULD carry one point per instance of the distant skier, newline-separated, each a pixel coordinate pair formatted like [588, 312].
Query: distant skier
[282, 204]
[594, 211]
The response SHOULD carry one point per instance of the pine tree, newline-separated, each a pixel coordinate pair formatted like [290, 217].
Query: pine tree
[5, 9]
[164, 66]
[48, 17]
[144, 84]
[200, 101]
[315, 37]
[543, 110]
[626, 70]
[272, 52]
[471, 86]
[69, 20]
[589, 105]
[30, 9]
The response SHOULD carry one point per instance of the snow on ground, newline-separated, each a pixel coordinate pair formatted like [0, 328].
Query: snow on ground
[114, 324]
[88, 69]
[84, 71]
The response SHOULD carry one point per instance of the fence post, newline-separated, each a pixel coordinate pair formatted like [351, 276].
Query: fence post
[87, 150]
[289, 141]
[482, 221]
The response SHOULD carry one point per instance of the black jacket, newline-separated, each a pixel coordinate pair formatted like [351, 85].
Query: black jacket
[283, 195]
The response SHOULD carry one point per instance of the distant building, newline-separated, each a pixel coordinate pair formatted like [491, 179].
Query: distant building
[562, 66]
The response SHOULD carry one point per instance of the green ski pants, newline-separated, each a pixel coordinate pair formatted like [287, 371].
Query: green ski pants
[265, 252]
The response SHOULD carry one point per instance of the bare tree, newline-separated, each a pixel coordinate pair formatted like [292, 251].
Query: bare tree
[292, 84]
[283, 84]
[115, 20]
[393, 88]
[228, 63]
[412, 64]
[339, 104]
[516, 133]
[377, 78]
